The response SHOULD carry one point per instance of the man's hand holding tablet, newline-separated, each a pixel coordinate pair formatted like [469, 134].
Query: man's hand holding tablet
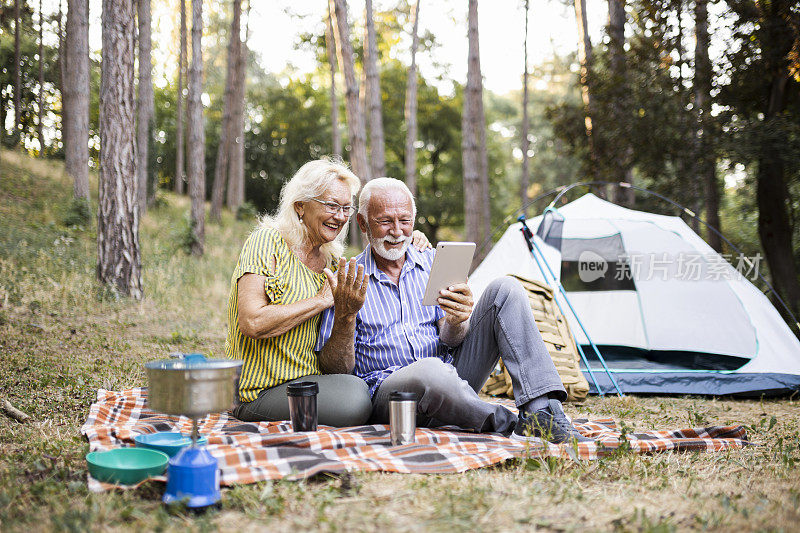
[450, 268]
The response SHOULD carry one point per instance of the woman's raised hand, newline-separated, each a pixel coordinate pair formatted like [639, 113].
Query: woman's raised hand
[326, 294]
[349, 286]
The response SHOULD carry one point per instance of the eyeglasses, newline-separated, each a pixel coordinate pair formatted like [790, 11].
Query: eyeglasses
[332, 208]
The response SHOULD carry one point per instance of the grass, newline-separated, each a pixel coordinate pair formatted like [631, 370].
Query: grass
[62, 336]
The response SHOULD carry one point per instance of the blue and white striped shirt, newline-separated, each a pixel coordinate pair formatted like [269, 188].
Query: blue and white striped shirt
[393, 328]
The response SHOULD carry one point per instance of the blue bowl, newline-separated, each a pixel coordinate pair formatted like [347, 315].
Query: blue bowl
[169, 442]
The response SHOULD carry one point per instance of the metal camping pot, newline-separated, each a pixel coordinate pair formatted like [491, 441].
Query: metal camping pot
[192, 386]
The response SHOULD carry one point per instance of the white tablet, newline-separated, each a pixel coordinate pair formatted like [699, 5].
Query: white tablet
[450, 266]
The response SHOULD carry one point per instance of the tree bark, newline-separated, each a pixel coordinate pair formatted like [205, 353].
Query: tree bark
[585, 59]
[525, 178]
[705, 159]
[774, 227]
[772, 194]
[62, 68]
[180, 173]
[356, 126]
[376, 141]
[76, 96]
[411, 106]
[226, 127]
[197, 134]
[621, 161]
[477, 202]
[40, 123]
[17, 136]
[236, 167]
[144, 104]
[118, 255]
[330, 46]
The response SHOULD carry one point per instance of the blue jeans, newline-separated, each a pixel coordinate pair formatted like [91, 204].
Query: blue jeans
[501, 325]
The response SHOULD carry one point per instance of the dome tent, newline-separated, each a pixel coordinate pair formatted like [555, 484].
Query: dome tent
[669, 314]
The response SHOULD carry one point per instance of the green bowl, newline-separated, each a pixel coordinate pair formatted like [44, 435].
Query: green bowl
[126, 466]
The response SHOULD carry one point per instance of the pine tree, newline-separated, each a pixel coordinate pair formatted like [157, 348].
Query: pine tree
[197, 135]
[118, 255]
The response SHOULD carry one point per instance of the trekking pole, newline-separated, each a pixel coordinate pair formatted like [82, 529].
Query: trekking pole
[544, 276]
[534, 249]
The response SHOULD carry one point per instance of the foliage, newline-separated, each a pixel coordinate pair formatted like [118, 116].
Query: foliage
[246, 211]
[765, 39]
[29, 73]
[79, 213]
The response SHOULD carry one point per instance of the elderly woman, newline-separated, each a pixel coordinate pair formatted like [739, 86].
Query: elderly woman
[282, 282]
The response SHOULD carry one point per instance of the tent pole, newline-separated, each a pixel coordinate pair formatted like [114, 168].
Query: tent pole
[578, 346]
[526, 232]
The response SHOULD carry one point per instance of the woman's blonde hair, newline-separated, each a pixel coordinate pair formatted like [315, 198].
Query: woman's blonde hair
[311, 181]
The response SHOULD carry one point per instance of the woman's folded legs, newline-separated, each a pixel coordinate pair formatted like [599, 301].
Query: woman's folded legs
[343, 401]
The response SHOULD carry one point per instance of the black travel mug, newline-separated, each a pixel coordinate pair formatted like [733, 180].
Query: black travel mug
[402, 417]
[303, 405]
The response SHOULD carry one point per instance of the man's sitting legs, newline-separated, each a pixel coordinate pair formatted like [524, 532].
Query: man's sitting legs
[501, 325]
[443, 399]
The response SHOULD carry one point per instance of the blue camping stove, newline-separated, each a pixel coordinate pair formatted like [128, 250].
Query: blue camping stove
[193, 476]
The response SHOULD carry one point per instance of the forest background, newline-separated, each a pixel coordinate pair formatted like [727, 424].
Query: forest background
[704, 109]
[644, 105]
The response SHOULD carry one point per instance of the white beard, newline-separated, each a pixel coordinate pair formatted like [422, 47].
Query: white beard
[390, 255]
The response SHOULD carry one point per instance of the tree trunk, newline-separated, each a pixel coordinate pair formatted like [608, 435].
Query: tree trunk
[355, 119]
[76, 96]
[376, 141]
[356, 126]
[3, 106]
[16, 137]
[705, 159]
[197, 134]
[62, 66]
[774, 227]
[525, 178]
[411, 106]
[330, 46]
[585, 59]
[118, 255]
[226, 127]
[40, 123]
[180, 173]
[236, 142]
[477, 201]
[144, 105]
[772, 194]
[621, 161]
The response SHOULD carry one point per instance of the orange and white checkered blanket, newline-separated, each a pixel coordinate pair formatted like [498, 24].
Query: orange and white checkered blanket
[249, 452]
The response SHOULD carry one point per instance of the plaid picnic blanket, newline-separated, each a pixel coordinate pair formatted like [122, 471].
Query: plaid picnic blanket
[249, 452]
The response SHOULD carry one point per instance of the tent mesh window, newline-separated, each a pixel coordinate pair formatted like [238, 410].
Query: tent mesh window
[557, 338]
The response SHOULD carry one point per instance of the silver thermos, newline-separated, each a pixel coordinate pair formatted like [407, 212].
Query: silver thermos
[402, 417]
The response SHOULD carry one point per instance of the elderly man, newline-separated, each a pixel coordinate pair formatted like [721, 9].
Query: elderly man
[443, 353]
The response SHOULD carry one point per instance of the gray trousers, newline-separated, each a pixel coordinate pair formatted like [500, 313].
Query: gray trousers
[343, 400]
[501, 325]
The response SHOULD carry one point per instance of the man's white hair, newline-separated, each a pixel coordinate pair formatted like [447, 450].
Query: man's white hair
[383, 184]
[312, 180]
